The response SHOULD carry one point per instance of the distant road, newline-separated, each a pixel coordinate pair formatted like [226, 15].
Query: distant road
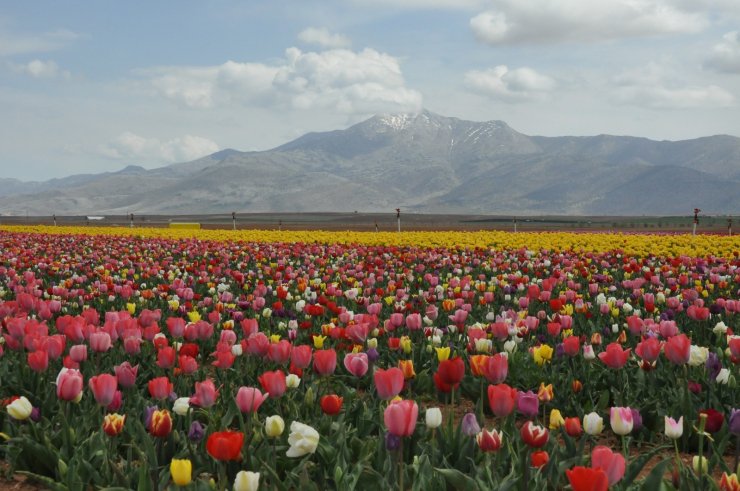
[388, 222]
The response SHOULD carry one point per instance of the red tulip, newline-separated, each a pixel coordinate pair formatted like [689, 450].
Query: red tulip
[573, 427]
[539, 459]
[734, 344]
[496, 368]
[300, 356]
[400, 417]
[103, 388]
[715, 420]
[160, 424]
[113, 424]
[388, 383]
[678, 349]
[273, 382]
[586, 479]
[648, 349]
[612, 463]
[449, 374]
[572, 345]
[331, 404]
[325, 361]
[166, 357]
[38, 360]
[160, 388]
[225, 445]
[489, 441]
[697, 313]
[502, 399]
[614, 357]
[534, 435]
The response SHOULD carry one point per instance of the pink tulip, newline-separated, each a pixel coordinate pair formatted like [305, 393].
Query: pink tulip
[612, 463]
[400, 417]
[649, 349]
[100, 341]
[78, 353]
[614, 357]
[356, 363]
[126, 374]
[413, 322]
[205, 394]
[249, 399]
[279, 352]
[103, 388]
[388, 383]
[176, 326]
[69, 384]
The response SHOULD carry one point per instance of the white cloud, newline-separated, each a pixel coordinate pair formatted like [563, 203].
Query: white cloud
[517, 85]
[343, 80]
[40, 69]
[321, 36]
[658, 87]
[18, 44]
[546, 21]
[133, 148]
[725, 56]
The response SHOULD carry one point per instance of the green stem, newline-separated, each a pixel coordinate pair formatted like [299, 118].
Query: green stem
[400, 467]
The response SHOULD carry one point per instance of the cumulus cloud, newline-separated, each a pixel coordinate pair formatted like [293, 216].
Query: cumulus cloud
[131, 147]
[656, 87]
[18, 44]
[343, 80]
[517, 85]
[546, 21]
[321, 36]
[40, 69]
[725, 56]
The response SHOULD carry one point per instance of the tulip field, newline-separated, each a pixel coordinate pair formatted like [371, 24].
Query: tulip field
[180, 359]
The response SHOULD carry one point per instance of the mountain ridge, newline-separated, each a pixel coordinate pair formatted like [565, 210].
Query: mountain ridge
[423, 162]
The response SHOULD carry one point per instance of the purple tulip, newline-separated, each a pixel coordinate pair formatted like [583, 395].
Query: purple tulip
[392, 442]
[196, 432]
[734, 422]
[713, 366]
[528, 404]
[470, 426]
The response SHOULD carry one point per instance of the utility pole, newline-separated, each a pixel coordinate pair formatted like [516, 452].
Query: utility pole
[696, 220]
[729, 226]
[280, 226]
[515, 225]
[398, 218]
[131, 223]
[233, 220]
[54, 216]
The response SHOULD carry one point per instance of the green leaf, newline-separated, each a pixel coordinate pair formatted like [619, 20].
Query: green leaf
[457, 479]
[145, 484]
[655, 478]
[636, 466]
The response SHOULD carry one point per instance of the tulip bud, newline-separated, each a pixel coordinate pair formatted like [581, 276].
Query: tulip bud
[310, 397]
[292, 381]
[274, 426]
[433, 417]
[700, 464]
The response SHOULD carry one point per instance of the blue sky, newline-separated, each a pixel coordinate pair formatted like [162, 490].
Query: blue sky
[95, 86]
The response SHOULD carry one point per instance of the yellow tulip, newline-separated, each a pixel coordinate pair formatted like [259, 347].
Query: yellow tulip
[182, 471]
[542, 354]
[194, 316]
[443, 353]
[318, 341]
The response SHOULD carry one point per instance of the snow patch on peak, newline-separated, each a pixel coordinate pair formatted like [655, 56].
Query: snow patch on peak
[397, 122]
